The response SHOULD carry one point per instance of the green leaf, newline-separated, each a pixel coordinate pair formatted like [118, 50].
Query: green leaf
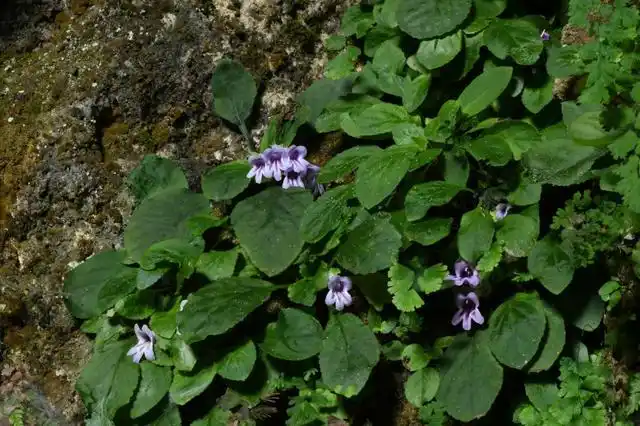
[98, 283]
[537, 97]
[170, 416]
[388, 13]
[518, 38]
[401, 286]
[587, 129]
[484, 89]
[489, 8]
[343, 65]
[423, 196]
[565, 61]
[378, 119]
[225, 181]
[516, 329]
[163, 323]
[238, 364]
[422, 386]
[456, 169]
[154, 385]
[187, 385]
[182, 355]
[436, 53]
[294, 337]
[335, 42]
[520, 136]
[268, 227]
[431, 18]
[181, 252]
[218, 306]
[356, 21]
[526, 194]
[415, 358]
[491, 259]
[329, 119]
[414, 91]
[494, 149]
[327, 213]
[234, 92]
[475, 234]
[558, 160]
[472, 380]
[349, 352]
[110, 378]
[472, 47]
[518, 234]
[427, 232]
[216, 417]
[379, 175]
[389, 58]
[345, 162]
[138, 306]
[590, 316]
[370, 247]
[551, 265]
[217, 264]
[541, 395]
[162, 217]
[432, 278]
[320, 94]
[552, 344]
[155, 174]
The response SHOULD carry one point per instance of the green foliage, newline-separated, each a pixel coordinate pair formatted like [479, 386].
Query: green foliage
[349, 353]
[438, 113]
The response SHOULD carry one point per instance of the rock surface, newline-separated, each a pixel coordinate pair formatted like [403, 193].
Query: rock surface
[87, 88]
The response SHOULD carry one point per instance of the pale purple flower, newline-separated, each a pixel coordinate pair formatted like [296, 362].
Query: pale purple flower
[259, 167]
[296, 156]
[144, 347]
[465, 273]
[502, 210]
[545, 36]
[292, 179]
[468, 311]
[338, 294]
[310, 180]
[277, 161]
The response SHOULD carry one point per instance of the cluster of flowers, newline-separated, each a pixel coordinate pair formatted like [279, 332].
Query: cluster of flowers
[287, 165]
[468, 304]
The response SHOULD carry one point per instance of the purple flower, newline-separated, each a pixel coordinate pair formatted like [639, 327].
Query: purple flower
[277, 161]
[296, 156]
[465, 273]
[259, 167]
[468, 311]
[338, 292]
[292, 179]
[310, 180]
[544, 35]
[502, 210]
[144, 347]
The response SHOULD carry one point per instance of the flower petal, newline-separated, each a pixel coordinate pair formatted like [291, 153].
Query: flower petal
[466, 322]
[148, 352]
[137, 357]
[477, 316]
[457, 317]
[460, 298]
[330, 299]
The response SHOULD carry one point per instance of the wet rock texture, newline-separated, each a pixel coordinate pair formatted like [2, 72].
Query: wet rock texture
[87, 88]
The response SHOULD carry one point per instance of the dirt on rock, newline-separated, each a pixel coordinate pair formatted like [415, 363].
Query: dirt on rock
[87, 88]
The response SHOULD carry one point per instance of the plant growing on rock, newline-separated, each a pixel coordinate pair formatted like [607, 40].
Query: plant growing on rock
[460, 186]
